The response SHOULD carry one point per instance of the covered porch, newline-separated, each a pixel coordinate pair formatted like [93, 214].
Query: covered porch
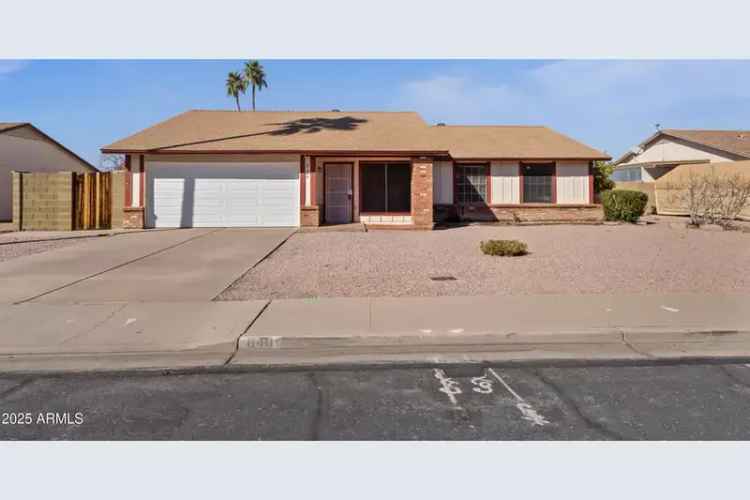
[393, 191]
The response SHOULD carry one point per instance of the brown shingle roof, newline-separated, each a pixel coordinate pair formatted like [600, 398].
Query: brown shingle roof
[734, 142]
[282, 131]
[348, 131]
[731, 141]
[512, 142]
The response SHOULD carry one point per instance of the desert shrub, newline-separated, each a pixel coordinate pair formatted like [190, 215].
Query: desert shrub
[504, 247]
[713, 198]
[624, 204]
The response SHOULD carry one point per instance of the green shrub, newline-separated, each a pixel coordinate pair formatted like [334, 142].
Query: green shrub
[624, 204]
[504, 247]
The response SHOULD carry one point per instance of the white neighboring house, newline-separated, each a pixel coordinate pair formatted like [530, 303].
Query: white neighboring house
[25, 148]
[668, 148]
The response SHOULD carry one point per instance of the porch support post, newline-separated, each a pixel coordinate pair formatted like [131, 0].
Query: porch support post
[308, 183]
[309, 210]
[133, 212]
[421, 192]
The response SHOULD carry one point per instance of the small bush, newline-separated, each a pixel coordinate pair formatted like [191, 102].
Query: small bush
[624, 204]
[504, 247]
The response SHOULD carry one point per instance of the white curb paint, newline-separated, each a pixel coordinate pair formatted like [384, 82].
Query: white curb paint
[525, 408]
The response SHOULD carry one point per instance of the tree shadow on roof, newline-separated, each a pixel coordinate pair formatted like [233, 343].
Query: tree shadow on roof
[314, 125]
[300, 126]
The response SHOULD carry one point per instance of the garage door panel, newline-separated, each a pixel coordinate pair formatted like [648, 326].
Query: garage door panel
[223, 195]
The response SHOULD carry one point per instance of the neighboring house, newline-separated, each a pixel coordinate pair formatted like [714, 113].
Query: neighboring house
[228, 168]
[668, 148]
[25, 148]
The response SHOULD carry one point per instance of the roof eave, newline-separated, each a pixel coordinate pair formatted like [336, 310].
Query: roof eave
[317, 152]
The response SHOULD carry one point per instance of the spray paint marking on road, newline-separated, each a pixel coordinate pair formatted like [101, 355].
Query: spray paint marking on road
[525, 408]
[482, 385]
[449, 386]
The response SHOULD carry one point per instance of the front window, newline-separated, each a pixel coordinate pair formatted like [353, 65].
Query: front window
[386, 187]
[627, 174]
[537, 182]
[471, 183]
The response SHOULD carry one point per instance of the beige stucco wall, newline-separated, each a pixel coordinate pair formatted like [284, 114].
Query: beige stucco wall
[24, 150]
[572, 182]
[506, 183]
[666, 149]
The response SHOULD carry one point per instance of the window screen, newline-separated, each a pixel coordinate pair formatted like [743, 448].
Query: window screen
[537, 182]
[386, 187]
[471, 183]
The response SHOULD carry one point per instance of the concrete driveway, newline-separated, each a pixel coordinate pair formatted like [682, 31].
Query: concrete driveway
[153, 266]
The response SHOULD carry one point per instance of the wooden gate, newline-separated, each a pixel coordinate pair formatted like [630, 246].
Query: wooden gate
[92, 201]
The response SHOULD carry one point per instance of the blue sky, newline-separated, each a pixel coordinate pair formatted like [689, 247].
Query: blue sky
[609, 104]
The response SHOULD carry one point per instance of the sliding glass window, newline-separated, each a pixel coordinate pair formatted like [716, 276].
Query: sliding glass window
[385, 187]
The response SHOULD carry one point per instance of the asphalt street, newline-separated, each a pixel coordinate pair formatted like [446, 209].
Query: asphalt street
[676, 402]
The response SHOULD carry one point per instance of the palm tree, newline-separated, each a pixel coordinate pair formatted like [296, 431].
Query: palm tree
[255, 76]
[236, 85]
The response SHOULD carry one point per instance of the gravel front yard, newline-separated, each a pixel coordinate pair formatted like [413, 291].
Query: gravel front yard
[564, 259]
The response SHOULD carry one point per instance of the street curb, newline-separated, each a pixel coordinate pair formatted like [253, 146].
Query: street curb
[219, 369]
[307, 360]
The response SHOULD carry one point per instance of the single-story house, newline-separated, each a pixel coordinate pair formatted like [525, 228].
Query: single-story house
[668, 148]
[229, 168]
[25, 148]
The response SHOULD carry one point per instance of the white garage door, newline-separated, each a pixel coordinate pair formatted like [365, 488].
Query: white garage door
[222, 194]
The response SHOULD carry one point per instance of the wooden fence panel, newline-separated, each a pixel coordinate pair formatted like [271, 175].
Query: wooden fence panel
[92, 201]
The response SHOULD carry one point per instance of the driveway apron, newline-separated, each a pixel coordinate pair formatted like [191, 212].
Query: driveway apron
[31, 276]
[196, 270]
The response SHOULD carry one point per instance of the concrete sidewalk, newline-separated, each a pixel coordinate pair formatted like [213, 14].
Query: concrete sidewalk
[73, 337]
[499, 328]
[404, 331]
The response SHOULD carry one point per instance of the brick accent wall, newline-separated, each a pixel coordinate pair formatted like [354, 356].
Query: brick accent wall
[421, 193]
[310, 216]
[520, 214]
[43, 201]
[133, 218]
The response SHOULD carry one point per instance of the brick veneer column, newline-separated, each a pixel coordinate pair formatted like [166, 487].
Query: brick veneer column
[132, 218]
[421, 192]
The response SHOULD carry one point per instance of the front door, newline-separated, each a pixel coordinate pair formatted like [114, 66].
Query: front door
[338, 190]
